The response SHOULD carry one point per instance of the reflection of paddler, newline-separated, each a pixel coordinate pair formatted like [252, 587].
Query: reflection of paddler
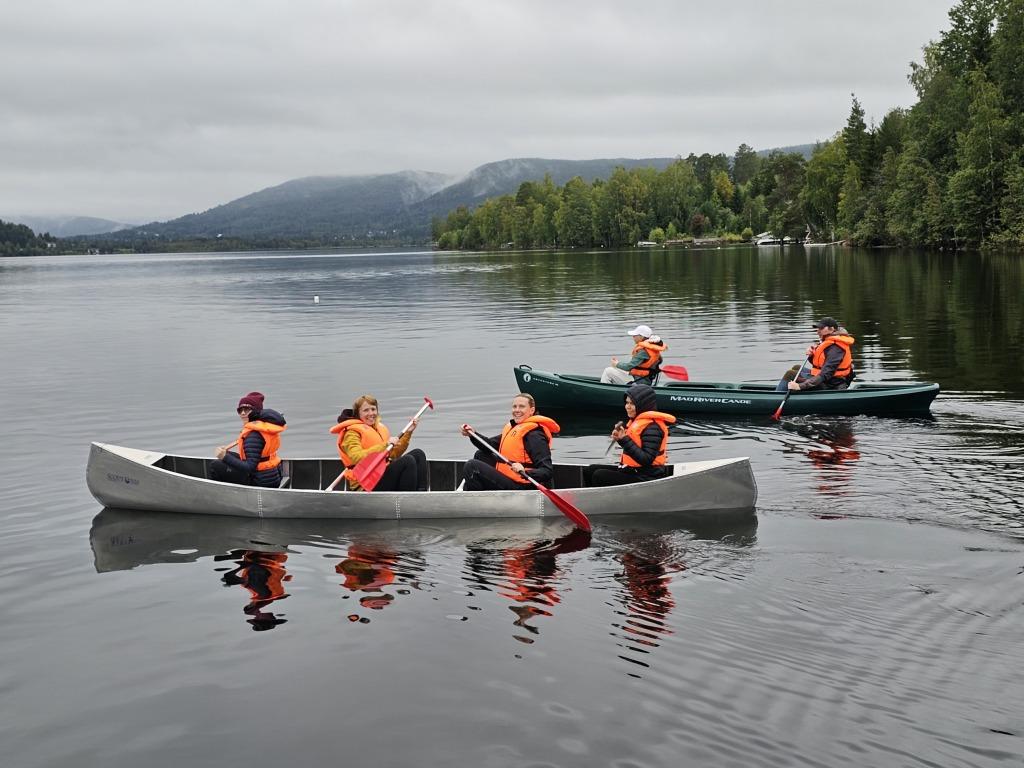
[367, 568]
[263, 575]
[841, 442]
[647, 582]
[530, 569]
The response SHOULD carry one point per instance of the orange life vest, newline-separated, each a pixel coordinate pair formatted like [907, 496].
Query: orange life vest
[818, 357]
[513, 447]
[271, 442]
[634, 431]
[652, 363]
[369, 438]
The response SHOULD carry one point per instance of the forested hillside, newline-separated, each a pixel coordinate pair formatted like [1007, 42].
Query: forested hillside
[19, 240]
[949, 171]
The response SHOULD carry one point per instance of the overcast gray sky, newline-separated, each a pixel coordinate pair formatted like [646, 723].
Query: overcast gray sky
[136, 111]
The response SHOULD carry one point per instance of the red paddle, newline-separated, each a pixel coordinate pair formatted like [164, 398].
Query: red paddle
[370, 470]
[567, 509]
[676, 372]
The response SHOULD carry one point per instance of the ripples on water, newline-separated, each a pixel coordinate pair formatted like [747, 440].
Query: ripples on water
[870, 616]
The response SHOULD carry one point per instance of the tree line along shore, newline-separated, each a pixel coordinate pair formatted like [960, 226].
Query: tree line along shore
[946, 173]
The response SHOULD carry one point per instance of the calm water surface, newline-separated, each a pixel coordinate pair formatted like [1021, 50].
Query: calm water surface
[871, 615]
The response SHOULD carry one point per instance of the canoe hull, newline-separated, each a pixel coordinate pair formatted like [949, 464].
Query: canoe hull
[128, 478]
[564, 392]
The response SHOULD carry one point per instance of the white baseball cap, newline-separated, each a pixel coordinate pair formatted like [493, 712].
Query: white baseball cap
[641, 330]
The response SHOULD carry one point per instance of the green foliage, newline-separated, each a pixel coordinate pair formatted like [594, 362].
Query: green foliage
[745, 164]
[19, 240]
[945, 172]
[819, 198]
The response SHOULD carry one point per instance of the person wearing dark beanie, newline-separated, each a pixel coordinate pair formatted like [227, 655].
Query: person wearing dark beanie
[256, 462]
[643, 440]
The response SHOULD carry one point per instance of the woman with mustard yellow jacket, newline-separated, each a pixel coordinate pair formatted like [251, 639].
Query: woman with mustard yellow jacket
[361, 432]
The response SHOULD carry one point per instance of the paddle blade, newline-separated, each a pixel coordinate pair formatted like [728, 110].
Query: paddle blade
[567, 509]
[778, 411]
[370, 470]
[676, 372]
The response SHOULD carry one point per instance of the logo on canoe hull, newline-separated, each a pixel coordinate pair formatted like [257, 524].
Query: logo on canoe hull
[702, 399]
[121, 479]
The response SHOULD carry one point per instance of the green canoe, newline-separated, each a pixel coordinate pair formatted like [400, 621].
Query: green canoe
[568, 392]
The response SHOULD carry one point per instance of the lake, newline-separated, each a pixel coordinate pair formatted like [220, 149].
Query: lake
[871, 615]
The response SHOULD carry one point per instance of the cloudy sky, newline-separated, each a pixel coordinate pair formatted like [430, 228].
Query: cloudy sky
[139, 111]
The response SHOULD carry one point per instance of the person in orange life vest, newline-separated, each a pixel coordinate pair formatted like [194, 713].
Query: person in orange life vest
[525, 441]
[361, 432]
[644, 441]
[645, 363]
[831, 361]
[256, 462]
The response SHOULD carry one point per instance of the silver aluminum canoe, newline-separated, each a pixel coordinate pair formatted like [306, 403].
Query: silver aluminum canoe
[128, 478]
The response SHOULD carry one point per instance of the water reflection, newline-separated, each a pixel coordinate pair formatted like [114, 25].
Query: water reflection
[833, 455]
[379, 572]
[524, 564]
[263, 575]
[527, 575]
[652, 561]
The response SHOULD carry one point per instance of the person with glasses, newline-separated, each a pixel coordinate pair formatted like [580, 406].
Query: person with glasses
[256, 462]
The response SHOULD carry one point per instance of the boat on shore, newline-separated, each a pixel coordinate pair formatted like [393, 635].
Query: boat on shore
[569, 392]
[129, 478]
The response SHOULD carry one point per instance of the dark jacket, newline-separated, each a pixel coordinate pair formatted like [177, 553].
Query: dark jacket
[536, 444]
[826, 378]
[254, 442]
[645, 399]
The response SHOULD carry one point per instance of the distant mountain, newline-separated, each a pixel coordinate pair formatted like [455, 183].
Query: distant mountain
[392, 207]
[68, 226]
[396, 206]
[321, 207]
[505, 176]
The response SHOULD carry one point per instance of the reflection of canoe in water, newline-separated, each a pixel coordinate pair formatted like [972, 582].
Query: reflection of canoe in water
[559, 391]
[123, 539]
[133, 479]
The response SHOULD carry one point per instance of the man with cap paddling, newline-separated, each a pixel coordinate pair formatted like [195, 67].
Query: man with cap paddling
[256, 462]
[644, 365]
[831, 359]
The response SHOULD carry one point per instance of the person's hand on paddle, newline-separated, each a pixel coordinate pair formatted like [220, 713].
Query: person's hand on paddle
[465, 430]
[615, 361]
[618, 432]
[810, 349]
[793, 386]
[221, 452]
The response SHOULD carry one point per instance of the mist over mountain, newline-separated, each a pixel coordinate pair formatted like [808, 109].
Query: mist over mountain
[395, 207]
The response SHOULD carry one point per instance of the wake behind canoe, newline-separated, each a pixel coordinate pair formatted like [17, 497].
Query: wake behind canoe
[569, 392]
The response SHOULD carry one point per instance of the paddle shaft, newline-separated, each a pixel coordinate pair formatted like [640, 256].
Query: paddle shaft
[778, 411]
[567, 509]
[613, 441]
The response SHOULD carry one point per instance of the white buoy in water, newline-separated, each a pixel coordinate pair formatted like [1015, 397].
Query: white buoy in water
[316, 299]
